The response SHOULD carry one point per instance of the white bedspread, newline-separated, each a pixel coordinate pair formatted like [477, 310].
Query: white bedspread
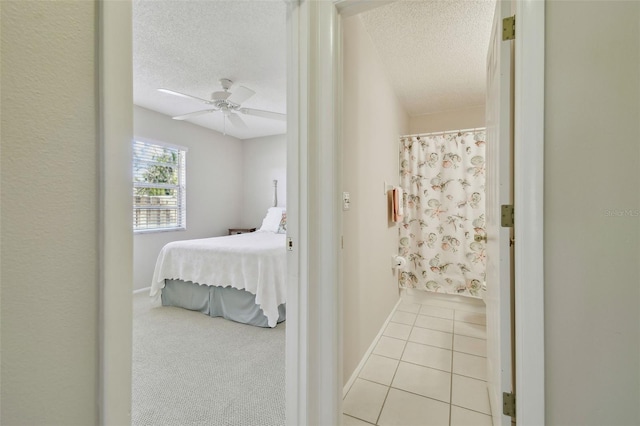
[255, 262]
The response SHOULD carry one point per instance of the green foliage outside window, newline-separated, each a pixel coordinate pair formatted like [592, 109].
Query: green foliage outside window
[157, 173]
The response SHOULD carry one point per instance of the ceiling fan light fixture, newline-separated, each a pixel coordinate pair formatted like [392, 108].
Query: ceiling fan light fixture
[220, 96]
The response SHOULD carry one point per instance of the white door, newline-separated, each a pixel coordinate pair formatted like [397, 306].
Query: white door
[499, 192]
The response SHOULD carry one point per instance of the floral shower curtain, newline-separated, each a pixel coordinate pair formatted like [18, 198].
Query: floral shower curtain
[443, 178]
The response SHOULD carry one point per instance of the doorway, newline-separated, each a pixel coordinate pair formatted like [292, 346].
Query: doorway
[116, 80]
[318, 68]
[535, 285]
[396, 93]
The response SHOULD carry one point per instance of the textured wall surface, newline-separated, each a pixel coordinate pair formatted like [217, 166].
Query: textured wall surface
[265, 159]
[592, 213]
[457, 119]
[373, 122]
[49, 281]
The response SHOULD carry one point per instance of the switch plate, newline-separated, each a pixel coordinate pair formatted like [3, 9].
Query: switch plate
[346, 201]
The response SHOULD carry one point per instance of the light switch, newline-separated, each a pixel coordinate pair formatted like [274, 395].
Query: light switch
[346, 201]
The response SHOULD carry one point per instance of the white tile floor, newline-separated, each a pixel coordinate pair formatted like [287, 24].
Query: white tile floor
[428, 368]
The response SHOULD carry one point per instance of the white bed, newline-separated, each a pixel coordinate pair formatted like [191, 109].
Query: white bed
[252, 262]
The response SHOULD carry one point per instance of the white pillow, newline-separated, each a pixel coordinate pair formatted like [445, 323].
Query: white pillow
[271, 221]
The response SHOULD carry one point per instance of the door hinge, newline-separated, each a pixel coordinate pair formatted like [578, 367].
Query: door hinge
[509, 28]
[289, 244]
[507, 216]
[508, 404]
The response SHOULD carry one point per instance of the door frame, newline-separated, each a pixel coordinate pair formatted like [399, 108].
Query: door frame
[314, 340]
[314, 384]
[528, 196]
[529, 211]
[115, 118]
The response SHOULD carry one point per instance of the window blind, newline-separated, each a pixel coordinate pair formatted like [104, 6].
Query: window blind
[159, 193]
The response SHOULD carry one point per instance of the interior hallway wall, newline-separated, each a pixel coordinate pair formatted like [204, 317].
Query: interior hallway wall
[373, 121]
[214, 183]
[592, 213]
[49, 227]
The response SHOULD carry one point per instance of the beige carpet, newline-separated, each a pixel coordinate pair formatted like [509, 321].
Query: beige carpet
[191, 369]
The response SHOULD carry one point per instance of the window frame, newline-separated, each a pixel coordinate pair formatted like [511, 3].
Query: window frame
[181, 186]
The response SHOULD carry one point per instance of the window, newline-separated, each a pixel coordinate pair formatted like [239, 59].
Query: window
[158, 187]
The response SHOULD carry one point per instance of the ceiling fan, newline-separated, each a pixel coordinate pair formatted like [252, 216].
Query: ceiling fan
[229, 103]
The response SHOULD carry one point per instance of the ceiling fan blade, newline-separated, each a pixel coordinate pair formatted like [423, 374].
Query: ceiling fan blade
[240, 94]
[182, 95]
[264, 114]
[193, 114]
[237, 121]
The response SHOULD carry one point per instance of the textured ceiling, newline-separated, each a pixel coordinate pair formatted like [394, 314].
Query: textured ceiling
[434, 52]
[187, 46]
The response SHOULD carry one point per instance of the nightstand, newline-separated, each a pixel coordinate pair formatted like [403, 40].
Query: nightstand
[234, 231]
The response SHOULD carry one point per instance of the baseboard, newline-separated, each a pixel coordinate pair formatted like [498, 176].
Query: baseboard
[142, 290]
[360, 366]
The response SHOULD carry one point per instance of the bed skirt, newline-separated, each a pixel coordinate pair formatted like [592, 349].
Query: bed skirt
[227, 302]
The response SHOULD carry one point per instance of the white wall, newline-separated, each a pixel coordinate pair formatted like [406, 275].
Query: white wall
[464, 118]
[265, 159]
[49, 227]
[372, 122]
[214, 185]
[592, 171]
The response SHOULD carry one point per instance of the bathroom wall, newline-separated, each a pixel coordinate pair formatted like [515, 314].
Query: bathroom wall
[464, 118]
[373, 121]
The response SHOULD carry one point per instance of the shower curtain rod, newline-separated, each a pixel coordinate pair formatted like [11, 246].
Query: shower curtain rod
[475, 129]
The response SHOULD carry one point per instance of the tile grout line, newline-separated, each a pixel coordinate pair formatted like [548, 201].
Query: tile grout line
[471, 409]
[431, 346]
[421, 396]
[417, 365]
[394, 373]
[426, 366]
[469, 322]
[453, 335]
[406, 340]
[358, 418]
[401, 360]
[469, 377]
[368, 353]
[383, 402]
[412, 393]
[391, 337]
